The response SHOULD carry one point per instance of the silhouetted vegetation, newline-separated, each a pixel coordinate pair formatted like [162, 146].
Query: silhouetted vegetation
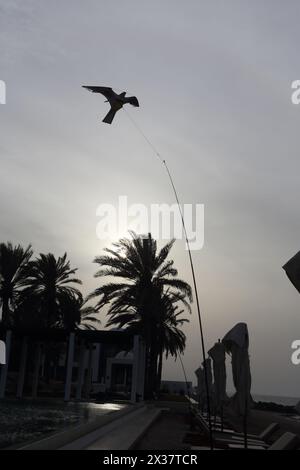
[147, 299]
[40, 292]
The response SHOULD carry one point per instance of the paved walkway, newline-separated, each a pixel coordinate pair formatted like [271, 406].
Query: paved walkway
[120, 434]
[166, 433]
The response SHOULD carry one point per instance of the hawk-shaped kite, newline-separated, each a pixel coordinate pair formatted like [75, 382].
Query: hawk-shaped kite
[116, 101]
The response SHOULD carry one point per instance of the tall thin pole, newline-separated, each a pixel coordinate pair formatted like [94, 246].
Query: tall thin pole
[185, 376]
[198, 306]
[193, 274]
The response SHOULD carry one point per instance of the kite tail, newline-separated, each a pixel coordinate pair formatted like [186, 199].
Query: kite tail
[110, 116]
[163, 161]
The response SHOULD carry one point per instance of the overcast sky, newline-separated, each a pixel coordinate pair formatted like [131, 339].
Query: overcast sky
[214, 83]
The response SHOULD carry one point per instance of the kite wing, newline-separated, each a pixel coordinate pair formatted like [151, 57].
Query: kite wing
[132, 100]
[104, 90]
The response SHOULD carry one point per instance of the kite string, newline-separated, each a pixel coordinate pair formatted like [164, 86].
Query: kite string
[163, 161]
[145, 137]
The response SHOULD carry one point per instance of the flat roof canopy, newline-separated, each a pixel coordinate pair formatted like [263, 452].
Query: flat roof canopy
[118, 337]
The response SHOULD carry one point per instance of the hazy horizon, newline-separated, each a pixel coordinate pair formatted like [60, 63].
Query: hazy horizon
[214, 85]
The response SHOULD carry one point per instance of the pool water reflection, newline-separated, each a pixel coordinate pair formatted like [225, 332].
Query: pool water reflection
[25, 420]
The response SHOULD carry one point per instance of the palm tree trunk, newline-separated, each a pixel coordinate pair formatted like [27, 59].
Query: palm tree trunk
[147, 387]
[154, 352]
[149, 363]
[159, 369]
[5, 311]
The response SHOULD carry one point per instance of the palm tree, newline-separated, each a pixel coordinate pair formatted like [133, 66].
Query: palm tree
[145, 275]
[170, 337]
[76, 313]
[13, 277]
[42, 302]
[50, 280]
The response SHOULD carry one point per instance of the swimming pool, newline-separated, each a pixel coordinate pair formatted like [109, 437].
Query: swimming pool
[26, 420]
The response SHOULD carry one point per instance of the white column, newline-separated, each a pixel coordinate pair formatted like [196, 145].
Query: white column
[81, 368]
[135, 368]
[4, 367]
[22, 369]
[36, 372]
[88, 384]
[108, 373]
[96, 358]
[69, 367]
